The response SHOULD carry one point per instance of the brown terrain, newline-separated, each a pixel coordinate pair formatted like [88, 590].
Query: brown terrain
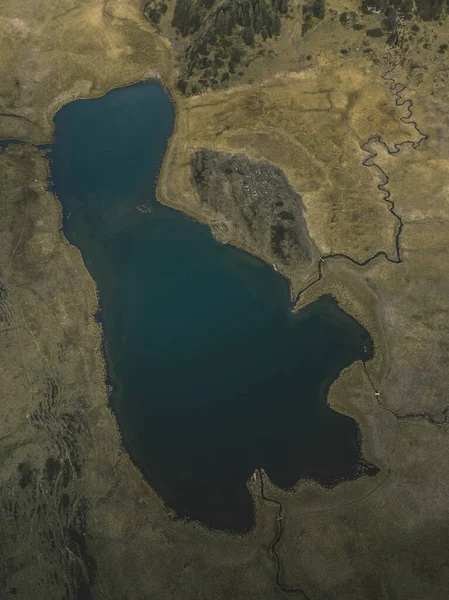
[361, 167]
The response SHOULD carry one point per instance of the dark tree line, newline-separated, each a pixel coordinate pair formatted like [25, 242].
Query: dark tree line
[427, 10]
[189, 15]
[314, 9]
[253, 16]
[154, 10]
[221, 30]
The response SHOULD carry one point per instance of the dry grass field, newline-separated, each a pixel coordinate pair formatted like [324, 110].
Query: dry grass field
[312, 125]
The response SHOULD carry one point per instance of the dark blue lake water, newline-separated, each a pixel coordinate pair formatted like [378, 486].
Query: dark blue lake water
[212, 374]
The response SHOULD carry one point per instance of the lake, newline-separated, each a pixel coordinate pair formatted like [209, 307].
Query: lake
[212, 375]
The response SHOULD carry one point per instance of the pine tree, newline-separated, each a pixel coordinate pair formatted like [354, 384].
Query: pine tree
[222, 24]
[389, 19]
[248, 35]
[319, 9]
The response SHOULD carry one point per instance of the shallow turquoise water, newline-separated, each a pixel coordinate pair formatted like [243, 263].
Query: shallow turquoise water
[212, 374]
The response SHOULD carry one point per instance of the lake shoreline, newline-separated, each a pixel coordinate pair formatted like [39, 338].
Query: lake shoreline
[170, 216]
